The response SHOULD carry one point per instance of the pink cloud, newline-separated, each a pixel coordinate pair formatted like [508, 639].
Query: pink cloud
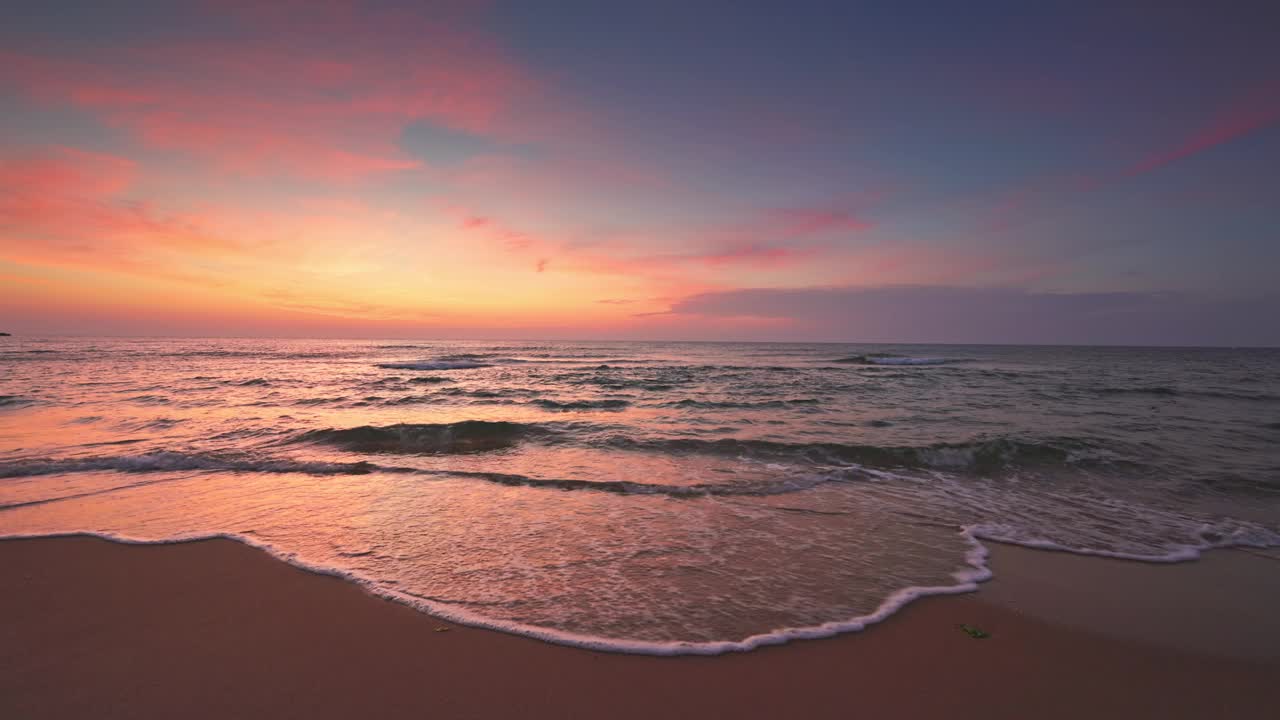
[1260, 110]
[65, 170]
[320, 91]
[760, 255]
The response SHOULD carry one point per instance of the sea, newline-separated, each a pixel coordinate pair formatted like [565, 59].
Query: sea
[644, 497]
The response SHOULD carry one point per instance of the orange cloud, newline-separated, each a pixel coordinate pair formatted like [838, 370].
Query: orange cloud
[64, 207]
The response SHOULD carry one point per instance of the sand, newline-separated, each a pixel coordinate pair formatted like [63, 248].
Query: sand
[216, 629]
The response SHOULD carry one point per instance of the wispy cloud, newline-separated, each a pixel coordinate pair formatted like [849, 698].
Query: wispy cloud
[1259, 110]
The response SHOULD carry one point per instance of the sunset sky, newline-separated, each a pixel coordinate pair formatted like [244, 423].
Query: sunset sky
[1072, 172]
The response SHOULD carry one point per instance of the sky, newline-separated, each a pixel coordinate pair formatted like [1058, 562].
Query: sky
[978, 172]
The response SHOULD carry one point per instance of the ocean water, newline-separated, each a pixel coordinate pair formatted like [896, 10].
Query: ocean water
[646, 497]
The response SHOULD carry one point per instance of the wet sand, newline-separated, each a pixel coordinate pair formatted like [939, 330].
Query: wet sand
[216, 629]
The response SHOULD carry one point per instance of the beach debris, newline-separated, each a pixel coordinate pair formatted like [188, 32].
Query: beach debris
[974, 632]
[443, 629]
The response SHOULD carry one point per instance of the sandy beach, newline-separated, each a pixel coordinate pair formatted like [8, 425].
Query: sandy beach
[215, 629]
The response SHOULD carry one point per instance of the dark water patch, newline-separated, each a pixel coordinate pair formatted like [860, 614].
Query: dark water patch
[467, 436]
[430, 380]
[13, 401]
[255, 382]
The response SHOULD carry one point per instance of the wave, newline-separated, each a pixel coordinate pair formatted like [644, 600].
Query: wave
[429, 380]
[1153, 390]
[978, 456]
[167, 461]
[761, 488]
[582, 405]
[467, 436]
[887, 359]
[150, 399]
[434, 365]
[759, 405]
[1164, 390]
[8, 401]
[630, 385]
[307, 402]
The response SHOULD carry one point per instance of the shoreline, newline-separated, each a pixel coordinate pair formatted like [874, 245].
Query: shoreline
[216, 628]
[973, 579]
